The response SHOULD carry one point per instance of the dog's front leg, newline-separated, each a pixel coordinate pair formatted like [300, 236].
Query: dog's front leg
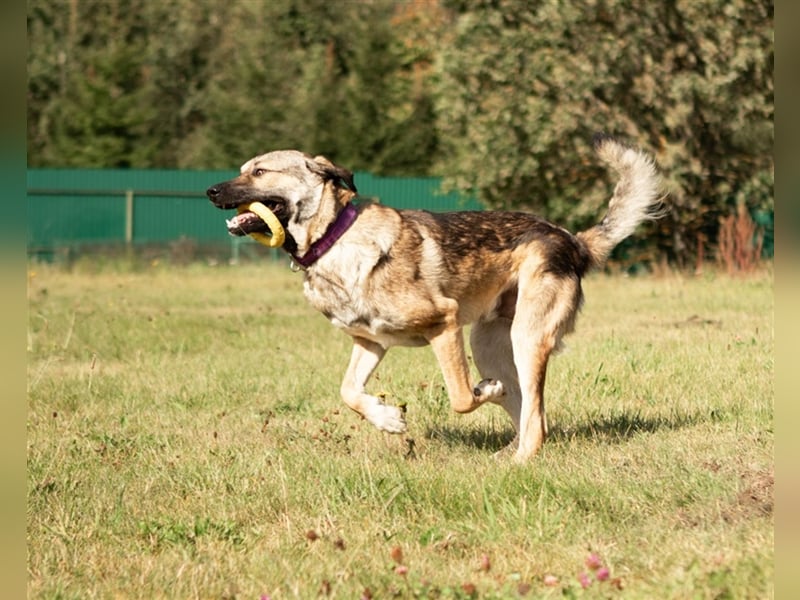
[365, 357]
[448, 346]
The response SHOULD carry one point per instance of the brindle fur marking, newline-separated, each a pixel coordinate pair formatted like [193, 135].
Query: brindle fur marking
[402, 277]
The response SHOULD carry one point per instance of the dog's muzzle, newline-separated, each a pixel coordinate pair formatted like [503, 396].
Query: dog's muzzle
[221, 200]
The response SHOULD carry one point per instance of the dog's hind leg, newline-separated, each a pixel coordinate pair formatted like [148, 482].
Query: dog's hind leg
[448, 346]
[365, 357]
[546, 310]
[493, 354]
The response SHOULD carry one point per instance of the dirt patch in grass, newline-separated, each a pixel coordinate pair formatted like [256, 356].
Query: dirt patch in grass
[756, 498]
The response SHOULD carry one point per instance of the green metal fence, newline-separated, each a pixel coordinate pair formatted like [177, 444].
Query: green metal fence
[84, 207]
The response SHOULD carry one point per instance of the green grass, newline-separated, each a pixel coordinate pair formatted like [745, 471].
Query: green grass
[186, 440]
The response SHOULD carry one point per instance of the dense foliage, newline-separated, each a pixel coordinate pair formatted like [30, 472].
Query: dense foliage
[202, 84]
[524, 85]
[501, 97]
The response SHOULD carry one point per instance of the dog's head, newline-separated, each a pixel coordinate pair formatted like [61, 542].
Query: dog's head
[303, 192]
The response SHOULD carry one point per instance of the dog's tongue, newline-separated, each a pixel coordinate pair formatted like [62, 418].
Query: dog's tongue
[246, 223]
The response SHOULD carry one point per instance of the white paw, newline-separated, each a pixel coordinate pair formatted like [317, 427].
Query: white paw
[489, 390]
[387, 418]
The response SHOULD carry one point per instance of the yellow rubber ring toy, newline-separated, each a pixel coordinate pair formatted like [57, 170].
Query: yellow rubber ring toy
[278, 234]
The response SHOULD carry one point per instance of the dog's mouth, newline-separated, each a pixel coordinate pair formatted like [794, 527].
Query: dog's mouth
[248, 222]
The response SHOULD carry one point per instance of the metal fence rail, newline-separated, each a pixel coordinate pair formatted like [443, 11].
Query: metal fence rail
[81, 207]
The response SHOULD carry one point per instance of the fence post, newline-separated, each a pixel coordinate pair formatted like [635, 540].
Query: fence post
[235, 241]
[128, 217]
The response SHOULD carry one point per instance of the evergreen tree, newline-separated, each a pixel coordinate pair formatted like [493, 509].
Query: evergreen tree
[182, 36]
[194, 84]
[366, 107]
[248, 87]
[86, 93]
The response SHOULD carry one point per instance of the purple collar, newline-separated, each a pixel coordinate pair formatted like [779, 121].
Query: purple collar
[344, 219]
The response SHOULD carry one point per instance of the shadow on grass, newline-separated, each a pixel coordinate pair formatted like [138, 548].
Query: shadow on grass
[483, 439]
[602, 428]
[622, 426]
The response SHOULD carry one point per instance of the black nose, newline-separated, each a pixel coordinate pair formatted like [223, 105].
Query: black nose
[212, 192]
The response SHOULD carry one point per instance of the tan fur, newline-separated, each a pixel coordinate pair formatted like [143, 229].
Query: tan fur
[414, 278]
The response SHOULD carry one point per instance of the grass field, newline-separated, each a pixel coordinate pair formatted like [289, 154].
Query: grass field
[186, 440]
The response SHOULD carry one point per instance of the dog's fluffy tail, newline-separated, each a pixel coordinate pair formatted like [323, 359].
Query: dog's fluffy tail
[637, 198]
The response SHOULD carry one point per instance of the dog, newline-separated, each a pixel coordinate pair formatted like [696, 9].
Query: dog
[391, 277]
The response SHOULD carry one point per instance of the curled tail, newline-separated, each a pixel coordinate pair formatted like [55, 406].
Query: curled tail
[637, 198]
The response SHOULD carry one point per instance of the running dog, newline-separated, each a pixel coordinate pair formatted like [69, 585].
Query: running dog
[409, 277]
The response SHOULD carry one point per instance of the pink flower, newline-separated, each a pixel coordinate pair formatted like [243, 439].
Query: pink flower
[584, 580]
[485, 563]
[593, 562]
[602, 574]
[401, 570]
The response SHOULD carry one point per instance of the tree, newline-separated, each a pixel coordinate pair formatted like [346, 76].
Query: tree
[245, 88]
[193, 84]
[362, 94]
[182, 37]
[86, 90]
[524, 85]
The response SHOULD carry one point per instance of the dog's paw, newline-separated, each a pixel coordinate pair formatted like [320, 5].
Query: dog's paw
[387, 418]
[489, 390]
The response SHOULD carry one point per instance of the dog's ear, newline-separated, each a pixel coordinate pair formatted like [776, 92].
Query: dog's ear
[327, 170]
